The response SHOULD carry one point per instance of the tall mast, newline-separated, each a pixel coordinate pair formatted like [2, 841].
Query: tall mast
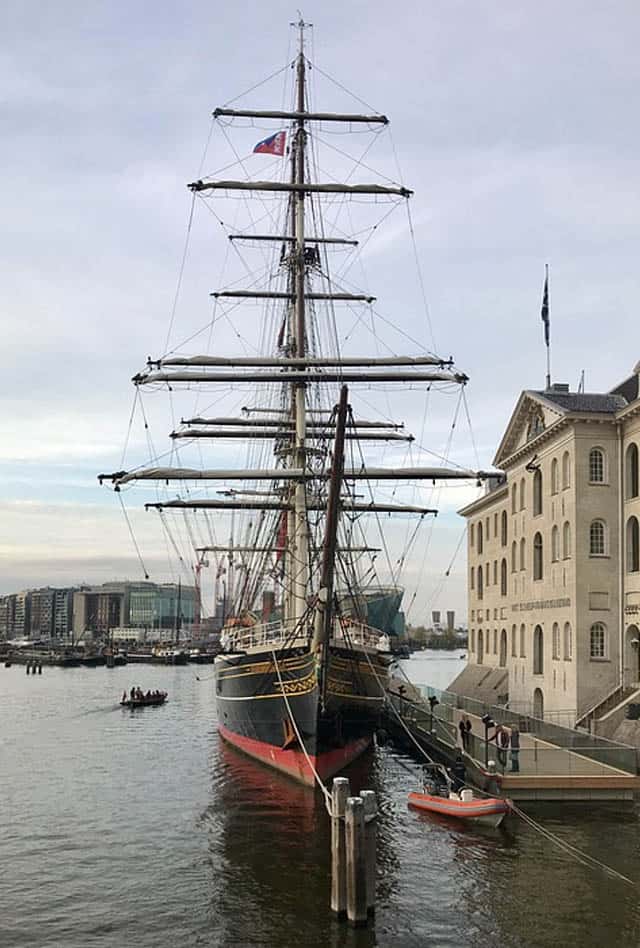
[300, 545]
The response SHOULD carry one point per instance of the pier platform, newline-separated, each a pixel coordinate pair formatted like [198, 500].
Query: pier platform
[553, 763]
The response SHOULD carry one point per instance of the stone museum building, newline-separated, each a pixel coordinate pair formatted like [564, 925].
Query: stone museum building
[554, 556]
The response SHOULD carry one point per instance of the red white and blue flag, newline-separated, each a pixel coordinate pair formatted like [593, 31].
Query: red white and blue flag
[273, 145]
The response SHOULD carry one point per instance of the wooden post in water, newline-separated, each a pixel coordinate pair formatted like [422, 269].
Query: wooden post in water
[339, 794]
[368, 798]
[356, 866]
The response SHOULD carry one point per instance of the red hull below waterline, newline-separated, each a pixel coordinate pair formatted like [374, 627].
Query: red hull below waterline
[491, 810]
[293, 762]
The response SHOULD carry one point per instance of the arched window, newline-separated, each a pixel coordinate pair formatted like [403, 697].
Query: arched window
[522, 490]
[472, 576]
[631, 472]
[537, 493]
[480, 537]
[487, 528]
[503, 648]
[598, 640]
[514, 650]
[538, 651]
[472, 530]
[523, 560]
[514, 498]
[472, 641]
[566, 470]
[523, 632]
[514, 556]
[597, 538]
[566, 540]
[567, 641]
[596, 466]
[554, 476]
[633, 545]
[555, 544]
[556, 640]
[537, 556]
[495, 641]
[480, 647]
[487, 575]
[503, 528]
[495, 572]
[503, 577]
[480, 586]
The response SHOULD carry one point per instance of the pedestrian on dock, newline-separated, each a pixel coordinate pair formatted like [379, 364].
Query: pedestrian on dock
[515, 750]
[462, 727]
[468, 728]
[502, 743]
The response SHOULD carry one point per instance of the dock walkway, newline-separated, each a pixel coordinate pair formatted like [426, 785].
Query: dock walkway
[583, 769]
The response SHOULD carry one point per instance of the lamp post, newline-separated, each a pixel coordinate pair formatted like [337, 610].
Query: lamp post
[488, 722]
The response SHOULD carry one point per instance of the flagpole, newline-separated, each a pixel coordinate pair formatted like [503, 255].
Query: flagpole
[545, 319]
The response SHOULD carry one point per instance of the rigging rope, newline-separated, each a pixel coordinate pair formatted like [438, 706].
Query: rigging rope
[325, 792]
[133, 538]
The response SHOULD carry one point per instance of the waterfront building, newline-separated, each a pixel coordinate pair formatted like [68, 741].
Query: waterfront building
[42, 609]
[7, 616]
[554, 556]
[147, 606]
[22, 615]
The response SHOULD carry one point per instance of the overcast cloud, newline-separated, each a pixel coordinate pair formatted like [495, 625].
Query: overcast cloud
[515, 123]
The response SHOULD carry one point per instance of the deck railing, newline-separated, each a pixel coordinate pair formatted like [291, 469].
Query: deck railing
[276, 635]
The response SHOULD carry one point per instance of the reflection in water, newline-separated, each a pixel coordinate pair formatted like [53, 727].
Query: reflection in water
[145, 829]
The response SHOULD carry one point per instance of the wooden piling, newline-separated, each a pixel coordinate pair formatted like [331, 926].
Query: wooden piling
[339, 793]
[368, 798]
[356, 866]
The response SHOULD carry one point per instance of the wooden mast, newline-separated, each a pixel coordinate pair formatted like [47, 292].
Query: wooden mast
[299, 567]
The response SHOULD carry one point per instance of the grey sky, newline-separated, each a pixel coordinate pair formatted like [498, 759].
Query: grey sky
[516, 123]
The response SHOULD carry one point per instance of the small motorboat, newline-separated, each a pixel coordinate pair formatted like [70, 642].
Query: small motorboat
[144, 702]
[439, 797]
[463, 806]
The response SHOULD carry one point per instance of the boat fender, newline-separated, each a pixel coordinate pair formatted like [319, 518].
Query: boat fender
[466, 795]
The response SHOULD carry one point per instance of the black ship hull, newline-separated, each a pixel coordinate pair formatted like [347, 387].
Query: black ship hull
[295, 734]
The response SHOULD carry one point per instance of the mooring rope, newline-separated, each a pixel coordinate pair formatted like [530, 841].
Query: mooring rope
[572, 851]
[325, 792]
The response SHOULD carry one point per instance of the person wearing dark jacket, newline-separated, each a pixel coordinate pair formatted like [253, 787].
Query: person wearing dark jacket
[463, 733]
[515, 750]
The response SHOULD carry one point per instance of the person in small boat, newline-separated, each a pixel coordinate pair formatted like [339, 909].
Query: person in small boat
[458, 773]
[133, 693]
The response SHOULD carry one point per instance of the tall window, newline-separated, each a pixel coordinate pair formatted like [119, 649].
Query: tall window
[473, 640]
[555, 544]
[567, 641]
[514, 498]
[503, 528]
[480, 537]
[631, 472]
[495, 572]
[480, 588]
[487, 528]
[598, 640]
[523, 632]
[514, 650]
[556, 640]
[480, 647]
[597, 538]
[522, 490]
[503, 647]
[633, 545]
[495, 524]
[514, 556]
[523, 560]
[554, 476]
[566, 540]
[495, 641]
[538, 651]
[503, 577]
[537, 556]
[537, 493]
[472, 577]
[472, 530]
[596, 466]
[566, 470]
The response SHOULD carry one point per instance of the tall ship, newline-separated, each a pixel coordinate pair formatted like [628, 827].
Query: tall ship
[298, 535]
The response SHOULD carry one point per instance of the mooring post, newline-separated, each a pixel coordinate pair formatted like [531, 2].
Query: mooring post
[356, 866]
[339, 794]
[368, 798]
